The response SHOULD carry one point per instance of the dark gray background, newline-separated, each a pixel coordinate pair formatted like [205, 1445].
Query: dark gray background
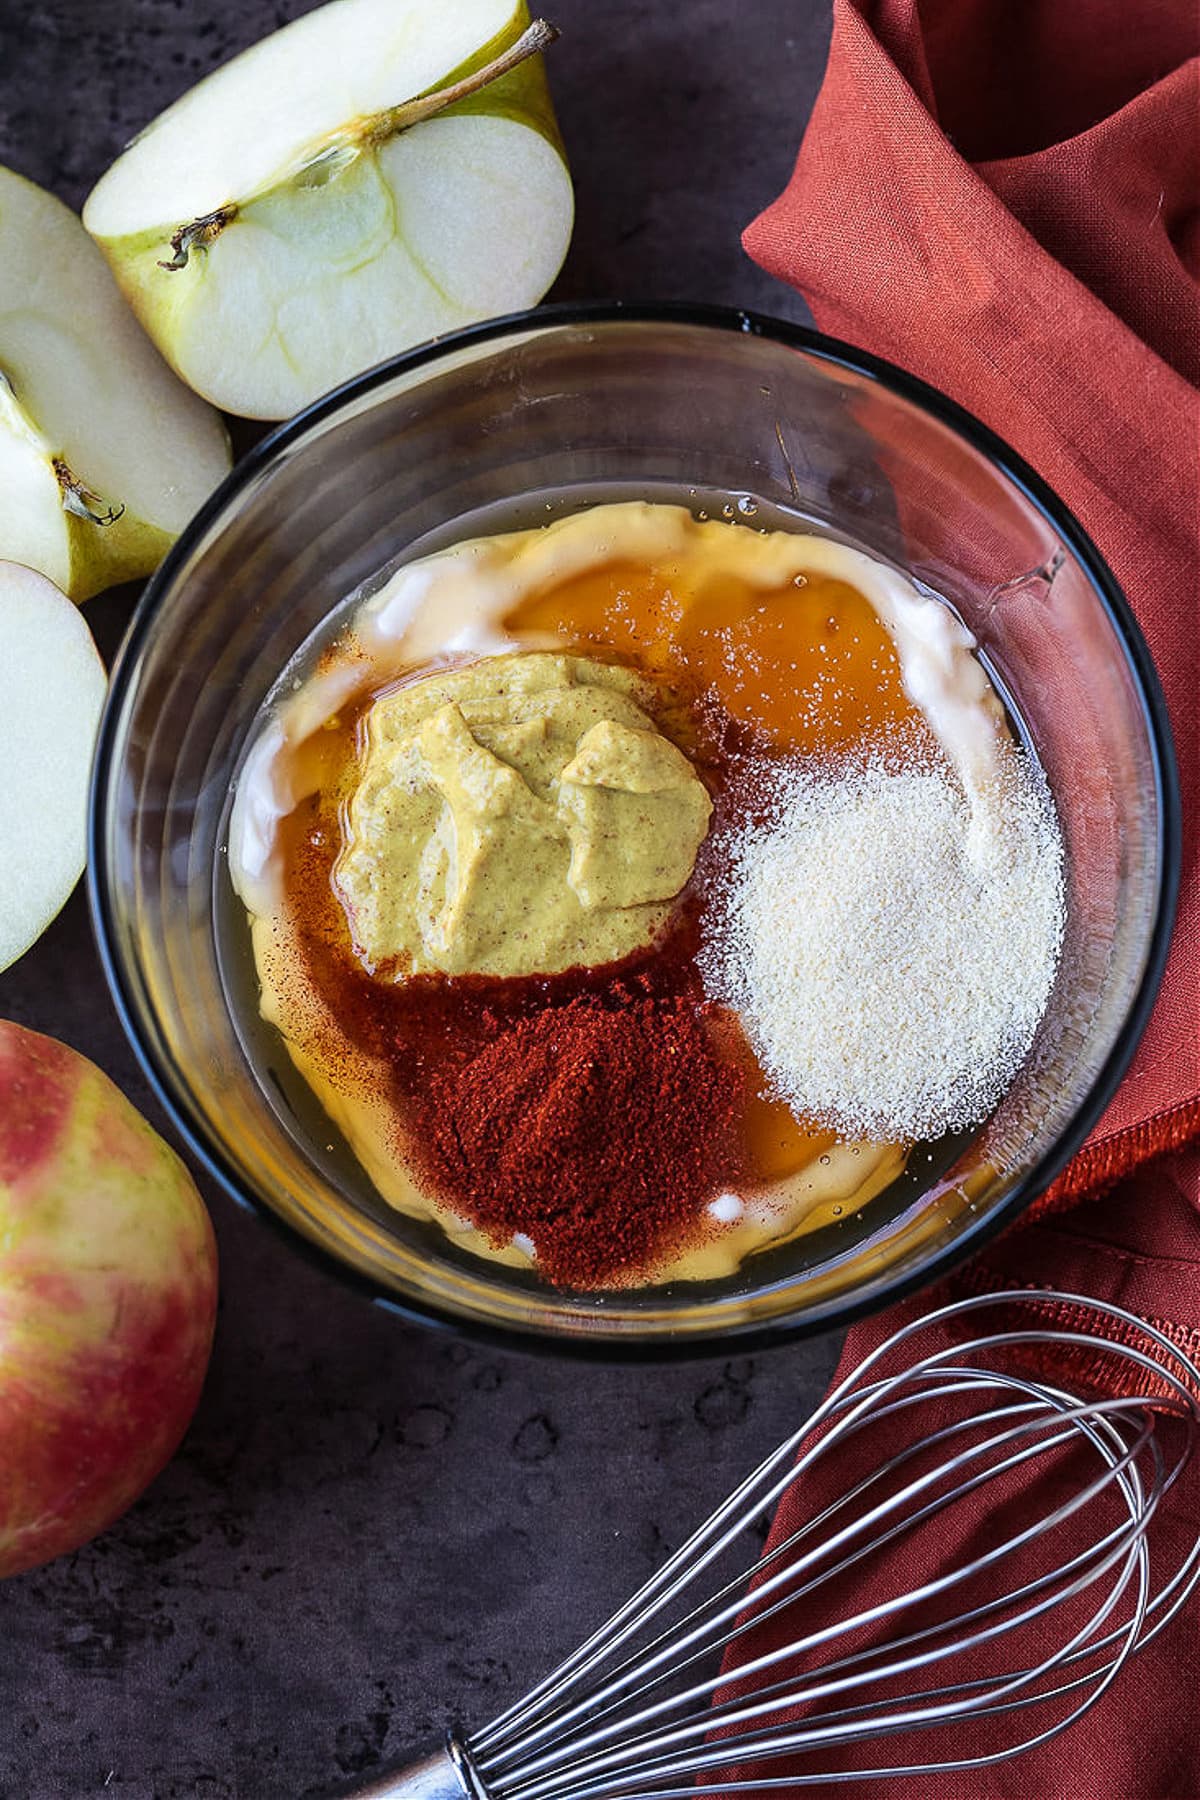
[372, 1530]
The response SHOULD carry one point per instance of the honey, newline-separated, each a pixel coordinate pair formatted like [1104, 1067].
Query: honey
[808, 667]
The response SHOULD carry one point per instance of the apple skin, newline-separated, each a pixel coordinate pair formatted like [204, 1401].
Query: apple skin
[108, 1290]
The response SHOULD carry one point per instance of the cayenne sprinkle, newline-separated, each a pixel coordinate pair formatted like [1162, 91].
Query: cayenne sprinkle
[598, 1128]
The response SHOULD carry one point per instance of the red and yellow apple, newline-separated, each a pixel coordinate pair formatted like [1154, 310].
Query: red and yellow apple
[108, 1286]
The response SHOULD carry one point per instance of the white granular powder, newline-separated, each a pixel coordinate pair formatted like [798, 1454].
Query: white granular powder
[891, 948]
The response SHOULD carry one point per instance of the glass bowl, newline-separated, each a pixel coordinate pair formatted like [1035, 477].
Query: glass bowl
[594, 402]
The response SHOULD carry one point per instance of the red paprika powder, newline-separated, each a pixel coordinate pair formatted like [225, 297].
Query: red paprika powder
[598, 1127]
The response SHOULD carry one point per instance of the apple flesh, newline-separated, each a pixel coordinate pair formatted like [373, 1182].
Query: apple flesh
[52, 686]
[104, 453]
[406, 178]
[108, 1285]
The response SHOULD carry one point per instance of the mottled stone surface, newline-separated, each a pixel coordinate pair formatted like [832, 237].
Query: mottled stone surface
[370, 1529]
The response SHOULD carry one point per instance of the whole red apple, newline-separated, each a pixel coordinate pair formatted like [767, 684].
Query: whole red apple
[108, 1288]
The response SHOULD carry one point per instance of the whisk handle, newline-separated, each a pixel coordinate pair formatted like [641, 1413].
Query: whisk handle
[447, 1774]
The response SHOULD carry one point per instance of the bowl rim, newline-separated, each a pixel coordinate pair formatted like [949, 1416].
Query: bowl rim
[660, 1344]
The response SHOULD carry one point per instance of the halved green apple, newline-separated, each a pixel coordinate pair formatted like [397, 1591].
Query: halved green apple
[104, 454]
[51, 691]
[376, 173]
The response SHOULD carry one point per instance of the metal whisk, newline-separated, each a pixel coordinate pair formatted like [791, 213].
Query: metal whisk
[1035, 1503]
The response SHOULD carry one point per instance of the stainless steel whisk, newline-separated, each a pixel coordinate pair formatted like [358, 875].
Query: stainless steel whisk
[642, 1711]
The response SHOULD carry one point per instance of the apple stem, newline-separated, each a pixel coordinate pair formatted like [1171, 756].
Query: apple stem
[536, 37]
[200, 233]
[80, 499]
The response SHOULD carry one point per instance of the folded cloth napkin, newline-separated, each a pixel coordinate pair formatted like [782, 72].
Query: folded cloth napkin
[1004, 197]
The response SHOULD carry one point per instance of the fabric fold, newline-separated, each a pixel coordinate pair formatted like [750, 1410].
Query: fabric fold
[1019, 285]
[1005, 200]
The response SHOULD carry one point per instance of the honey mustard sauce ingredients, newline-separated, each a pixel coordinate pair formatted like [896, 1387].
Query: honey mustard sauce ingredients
[519, 816]
[532, 939]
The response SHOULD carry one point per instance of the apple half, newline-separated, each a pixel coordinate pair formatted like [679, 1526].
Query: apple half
[104, 454]
[374, 174]
[52, 686]
[108, 1294]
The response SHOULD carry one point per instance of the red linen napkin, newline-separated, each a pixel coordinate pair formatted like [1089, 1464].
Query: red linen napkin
[1004, 197]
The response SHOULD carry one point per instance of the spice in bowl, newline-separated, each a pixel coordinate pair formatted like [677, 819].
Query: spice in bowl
[636, 892]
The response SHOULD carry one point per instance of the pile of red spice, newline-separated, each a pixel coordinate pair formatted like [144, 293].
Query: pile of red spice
[598, 1128]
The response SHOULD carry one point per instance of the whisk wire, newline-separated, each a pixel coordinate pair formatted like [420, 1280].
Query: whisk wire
[1006, 1553]
[714, 1537]
[755, 1616]
[625, 1716]
[680, 1649]
[588, 1778]
[706, 1544]
[581, 1768]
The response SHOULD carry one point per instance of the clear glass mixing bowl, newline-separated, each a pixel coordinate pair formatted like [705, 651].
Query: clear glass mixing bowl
[620, 401]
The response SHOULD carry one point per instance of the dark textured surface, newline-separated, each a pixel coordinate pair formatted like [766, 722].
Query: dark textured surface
[371, 1530]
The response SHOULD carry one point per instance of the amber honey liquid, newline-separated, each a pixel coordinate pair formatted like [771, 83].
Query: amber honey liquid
[807, 669]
